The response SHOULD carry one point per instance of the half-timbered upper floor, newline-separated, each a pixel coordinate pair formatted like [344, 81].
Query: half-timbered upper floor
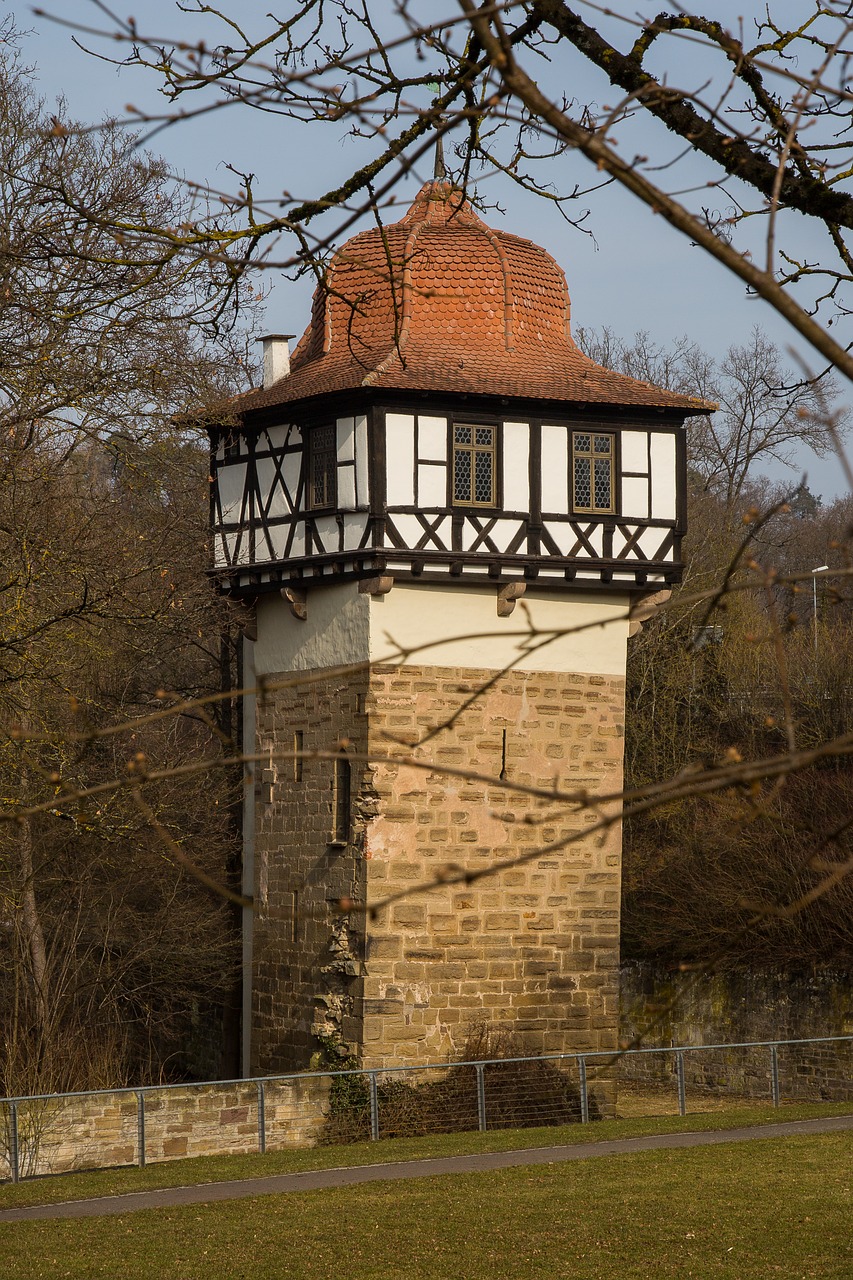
[440, 491]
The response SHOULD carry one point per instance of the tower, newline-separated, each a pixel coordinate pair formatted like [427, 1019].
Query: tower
[437, 450]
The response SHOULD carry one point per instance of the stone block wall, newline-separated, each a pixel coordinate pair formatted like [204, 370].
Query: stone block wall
[669, 1008]
[533, 948]
[306, 955]
[59, 1135]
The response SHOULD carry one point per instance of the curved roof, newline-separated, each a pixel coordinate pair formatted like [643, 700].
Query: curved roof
[439, 301]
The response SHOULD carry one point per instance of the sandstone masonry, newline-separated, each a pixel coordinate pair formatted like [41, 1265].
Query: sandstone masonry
[533, 948]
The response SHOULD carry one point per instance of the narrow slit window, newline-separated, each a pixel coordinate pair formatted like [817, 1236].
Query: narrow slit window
[341, 800]
[592, 472]
[474, 466]
[322, 463]
[291, 909]
[298, 742]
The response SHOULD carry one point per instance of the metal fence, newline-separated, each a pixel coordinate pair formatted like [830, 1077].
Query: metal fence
[53, 1133]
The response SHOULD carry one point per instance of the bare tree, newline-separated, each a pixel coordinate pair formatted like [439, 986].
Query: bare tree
[103, 602]
[769, 133]
[765, 412]
[744, 148]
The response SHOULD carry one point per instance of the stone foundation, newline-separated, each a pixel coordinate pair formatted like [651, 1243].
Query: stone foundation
[533, 948]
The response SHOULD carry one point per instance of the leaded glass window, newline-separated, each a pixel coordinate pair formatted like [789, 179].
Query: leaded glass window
[474, 466]
[322, 461]
[592, 472]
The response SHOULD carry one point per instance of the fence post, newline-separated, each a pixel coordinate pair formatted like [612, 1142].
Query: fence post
[14, 1153]
[374, 1107]
[774, 1074]
[479, 1070]
[584, 1097]
[682, 1092]
[262, 1118]
[140, 1127]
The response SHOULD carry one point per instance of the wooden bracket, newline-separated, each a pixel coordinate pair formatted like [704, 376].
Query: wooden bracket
[297, 598]
[376, 586]
[507, 596]
[645, 608]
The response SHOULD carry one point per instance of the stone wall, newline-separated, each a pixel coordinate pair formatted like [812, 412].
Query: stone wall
[306, 955]
[533, 948]
[58, 1135]
[668, 1008]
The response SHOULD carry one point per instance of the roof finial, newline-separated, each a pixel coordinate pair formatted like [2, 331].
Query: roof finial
[439, 174]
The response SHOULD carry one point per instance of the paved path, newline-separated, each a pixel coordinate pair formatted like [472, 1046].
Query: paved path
[319, 1179]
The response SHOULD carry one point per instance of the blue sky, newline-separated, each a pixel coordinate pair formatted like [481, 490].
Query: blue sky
[635, 274]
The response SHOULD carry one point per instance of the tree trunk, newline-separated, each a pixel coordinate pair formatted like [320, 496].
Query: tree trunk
[31, 920]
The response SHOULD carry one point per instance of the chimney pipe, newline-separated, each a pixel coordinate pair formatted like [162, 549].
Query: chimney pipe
[276, 357]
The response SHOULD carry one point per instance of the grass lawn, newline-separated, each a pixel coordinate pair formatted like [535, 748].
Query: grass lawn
[775, 1208]
[177, 1173]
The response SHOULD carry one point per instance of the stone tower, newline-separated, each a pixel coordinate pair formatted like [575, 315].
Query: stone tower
[436, 451]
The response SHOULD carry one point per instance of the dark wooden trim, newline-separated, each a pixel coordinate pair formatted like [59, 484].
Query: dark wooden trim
[533, 549]
[534, 471]
[360, 399]
[376, 473]
[353, 566]
[680, 482]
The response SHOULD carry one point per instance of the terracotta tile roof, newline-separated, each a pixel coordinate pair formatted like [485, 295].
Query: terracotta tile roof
[441, 302]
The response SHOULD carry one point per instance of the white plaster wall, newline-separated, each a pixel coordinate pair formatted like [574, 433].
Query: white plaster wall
[649, 542]
[400, 454]
[277, 437]
[278, 538]
[565, 538]
[432, 438]
[267, 482]
[555, 469]
[335, 632]
[635, 451]
[504, 532]
[346, 488]
[290, 470]
[361, 495]
[432, 486]
[231, 480]
[346, 439]
[663, 477]
[516, 465]
[635, 497]
[354, 526]
[327, 532]
[453, 626]
[459, 627]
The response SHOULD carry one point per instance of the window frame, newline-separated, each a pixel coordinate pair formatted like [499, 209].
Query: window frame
[593, 455]
[494, 450]
[312, 454]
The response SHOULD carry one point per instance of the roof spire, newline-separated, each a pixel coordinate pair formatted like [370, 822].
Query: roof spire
[439, 173]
